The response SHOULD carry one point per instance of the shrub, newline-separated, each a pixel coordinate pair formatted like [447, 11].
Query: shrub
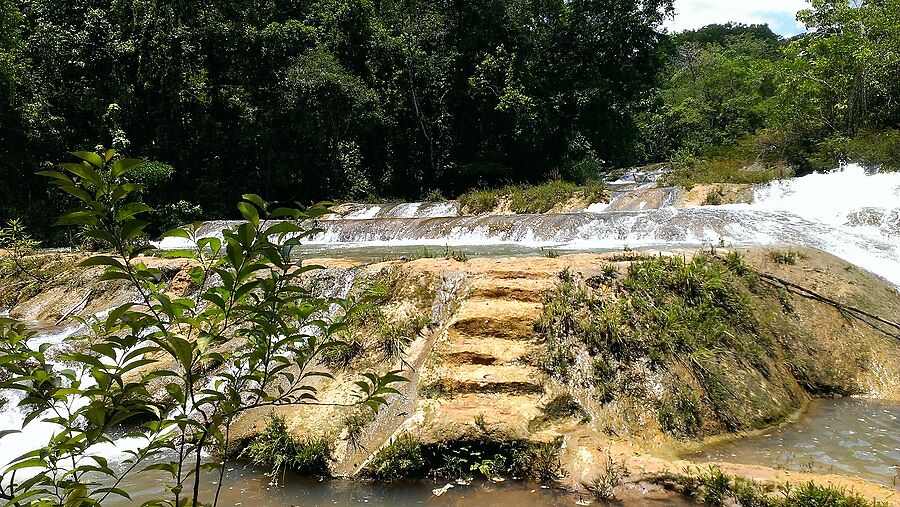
[786, 257]
[435, 195]
[178, 214]
[533, 198]
[538, 461]
[714, 487]
[603, 486]
[479, 201]
[393, 339]
[732, 167]
[355, 422]
[541, 198]
[714, 198]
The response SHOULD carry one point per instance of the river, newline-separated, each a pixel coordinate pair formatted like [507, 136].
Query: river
[851, 213]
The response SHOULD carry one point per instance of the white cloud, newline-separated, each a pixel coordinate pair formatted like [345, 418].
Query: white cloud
[780, 14]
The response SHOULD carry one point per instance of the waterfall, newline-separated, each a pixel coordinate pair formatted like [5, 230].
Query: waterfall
[397, 210]
[850, 212]
[848, 197]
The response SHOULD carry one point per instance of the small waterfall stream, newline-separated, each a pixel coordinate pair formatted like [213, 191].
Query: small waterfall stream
[331, 283]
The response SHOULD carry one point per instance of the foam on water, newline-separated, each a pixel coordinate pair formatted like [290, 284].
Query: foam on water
[363, 212]
[831, 197]
[850, 201]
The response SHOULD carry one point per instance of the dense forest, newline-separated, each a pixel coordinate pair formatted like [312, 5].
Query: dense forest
[407, 99]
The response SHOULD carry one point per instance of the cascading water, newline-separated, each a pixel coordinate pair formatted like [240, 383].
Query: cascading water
[401, 210]
[848, 212]
[39, 431]
[858, 209]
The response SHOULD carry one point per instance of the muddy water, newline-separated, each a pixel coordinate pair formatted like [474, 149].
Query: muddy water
[248, 486]
[843, 436]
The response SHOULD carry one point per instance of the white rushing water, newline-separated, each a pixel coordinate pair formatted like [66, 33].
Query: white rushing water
[860, 207]
[397, 210]
[38, 432]
[842, 198]
[849, 212]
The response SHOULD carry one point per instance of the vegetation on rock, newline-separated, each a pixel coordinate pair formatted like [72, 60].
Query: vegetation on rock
[534, 198]
[714, 487]
[696, 328]
[488, 455]
[277, 449]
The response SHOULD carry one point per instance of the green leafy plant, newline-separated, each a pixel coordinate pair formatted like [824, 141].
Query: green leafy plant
[251, 316]
[402, 458]
[18, 245]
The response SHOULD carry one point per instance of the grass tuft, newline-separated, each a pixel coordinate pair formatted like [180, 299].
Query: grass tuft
[603, 486]
[786, 257]
[714, 487]
[280, 451]
[665, 313]
[401, 459]
[534, 198]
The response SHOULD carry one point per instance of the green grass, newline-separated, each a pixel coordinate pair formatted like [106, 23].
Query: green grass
[489, 455]
[280, 451]
[533, 198]
[786, 257]
[689, 172]
[541, 198]
[445, 253]
[178, 253]
[698, 315]
[400, 459]
[603, 485]
[666, 305]
[480, 201]
[714, 487]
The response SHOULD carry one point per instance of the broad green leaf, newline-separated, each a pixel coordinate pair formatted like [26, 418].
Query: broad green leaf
[90, 157]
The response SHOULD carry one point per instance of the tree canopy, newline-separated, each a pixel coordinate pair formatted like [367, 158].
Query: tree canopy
[358, 99]
[326, 99]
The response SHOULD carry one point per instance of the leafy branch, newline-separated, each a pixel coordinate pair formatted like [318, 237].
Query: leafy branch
[251, 317]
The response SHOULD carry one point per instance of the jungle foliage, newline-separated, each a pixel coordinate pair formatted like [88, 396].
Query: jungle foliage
[329, 99]
[403, 99]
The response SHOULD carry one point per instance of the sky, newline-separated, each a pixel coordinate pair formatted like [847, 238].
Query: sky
[779, 14]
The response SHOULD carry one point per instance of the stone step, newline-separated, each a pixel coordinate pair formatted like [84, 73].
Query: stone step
[497, 318]
[472, 414]
[507, 379]
[463, 348]
[516, 289]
